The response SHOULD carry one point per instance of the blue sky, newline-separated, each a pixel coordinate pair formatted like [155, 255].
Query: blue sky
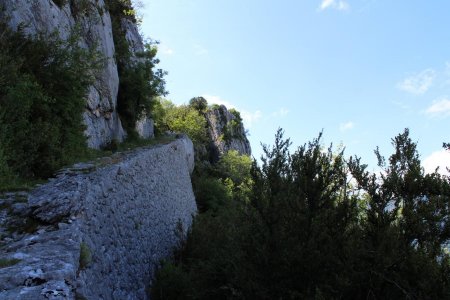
[361, 70]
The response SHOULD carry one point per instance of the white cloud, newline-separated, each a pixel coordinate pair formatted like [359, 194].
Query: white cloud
[249, 118]
[439, 159]
[280, 113]
[166, 50]
[439, 108]
[200, 50]
[217, 100]
[418, 83]
[346, 126]
[334, 4]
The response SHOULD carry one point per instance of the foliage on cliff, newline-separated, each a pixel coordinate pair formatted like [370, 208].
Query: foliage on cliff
[140, 80]
[316, 226]
[213, 129]
[43, 83]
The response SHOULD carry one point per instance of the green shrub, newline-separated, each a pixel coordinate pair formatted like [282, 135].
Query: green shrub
[210, 193]
[236, 114]
[235, 170]
[4, 262]
[187, 120]
[85, 256]
[159, 113]
[170, 283]
[139, 84]
[42, 100]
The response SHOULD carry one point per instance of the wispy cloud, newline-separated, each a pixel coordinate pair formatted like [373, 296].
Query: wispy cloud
[447, 73]
[439, 159]
[334, 4]
[346, 126]
[217, 100]
[249, 118]
[439, 108]
[418, 83]
[405, 107]
[280, 113]
[165, 49]
[200, 50]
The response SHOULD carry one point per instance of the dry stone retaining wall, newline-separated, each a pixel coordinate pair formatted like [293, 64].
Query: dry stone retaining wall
[103, 228]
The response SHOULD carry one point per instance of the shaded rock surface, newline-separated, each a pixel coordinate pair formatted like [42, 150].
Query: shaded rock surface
[127, 212]
[226, 132]
[94, 21]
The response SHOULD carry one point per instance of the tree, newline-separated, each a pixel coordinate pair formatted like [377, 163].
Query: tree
[199, 103]
[140, 83]
[306, 233]
[235, 166]
[407, 227]
[187, 120]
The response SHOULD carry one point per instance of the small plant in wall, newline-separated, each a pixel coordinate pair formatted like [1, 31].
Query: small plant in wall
[85, 256]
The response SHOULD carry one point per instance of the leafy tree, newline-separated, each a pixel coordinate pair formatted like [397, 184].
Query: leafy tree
[139, 84]
[279, 244]
[234, 171]
[199, 103]
[187, 120]
[308, 219]
[407, 227]
[235, 166]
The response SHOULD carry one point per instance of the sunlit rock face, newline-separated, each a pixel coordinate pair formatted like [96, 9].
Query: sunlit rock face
[95, 31]
[226, 132]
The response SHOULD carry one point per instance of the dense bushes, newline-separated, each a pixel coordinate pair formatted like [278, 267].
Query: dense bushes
[43, 85]
[318, 227]
[182, 118]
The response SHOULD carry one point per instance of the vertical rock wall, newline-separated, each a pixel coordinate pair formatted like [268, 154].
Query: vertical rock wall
[92, 17]
[226, 132]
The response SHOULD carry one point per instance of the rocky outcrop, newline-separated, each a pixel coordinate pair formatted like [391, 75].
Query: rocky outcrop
[145, 127]
[94, 21]
[135, 43]
[226, 132]
[99, 229]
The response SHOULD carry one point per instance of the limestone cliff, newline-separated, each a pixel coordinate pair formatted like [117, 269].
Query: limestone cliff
[226, 132]
[93, 20]
[98, 230]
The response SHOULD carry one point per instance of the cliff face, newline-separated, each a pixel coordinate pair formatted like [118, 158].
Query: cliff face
[94, 22]
[100, 229]
[226, 132]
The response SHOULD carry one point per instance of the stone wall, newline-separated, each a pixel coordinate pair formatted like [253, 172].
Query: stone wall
[102, 228]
